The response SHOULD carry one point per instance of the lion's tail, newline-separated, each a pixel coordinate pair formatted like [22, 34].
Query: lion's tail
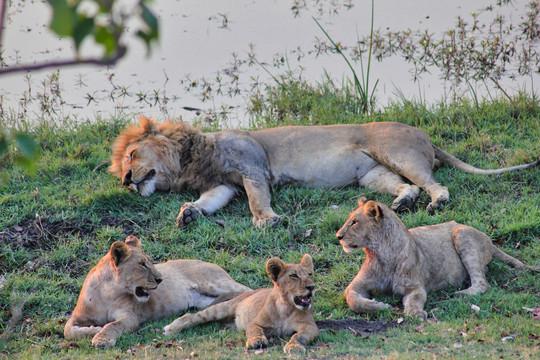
[451, 160]
[221, 311]
[512, 261]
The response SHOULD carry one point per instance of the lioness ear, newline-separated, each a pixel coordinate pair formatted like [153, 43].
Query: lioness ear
[373, 210]
[119, 252]
[274, 267]
[307, 262]
[133, 241]
[362, 201]
[148, 125]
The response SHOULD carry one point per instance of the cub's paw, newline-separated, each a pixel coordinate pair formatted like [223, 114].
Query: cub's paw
[269, 221]
[256, 342]
[418, 313]
[188, 214]
[294, 347]
[103, 341]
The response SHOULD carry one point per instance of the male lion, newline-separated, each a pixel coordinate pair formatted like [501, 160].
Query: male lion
[177, 156]
[282, 310]
[122, 291]
[410, 262]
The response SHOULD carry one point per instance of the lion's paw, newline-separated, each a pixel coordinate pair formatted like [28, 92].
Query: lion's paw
[188, 214]
[418, 313]
[256, 342]
[294, 347]
[266, 222]
[103, 341]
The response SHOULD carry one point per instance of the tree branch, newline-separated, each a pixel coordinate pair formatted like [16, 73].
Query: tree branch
[65, 63]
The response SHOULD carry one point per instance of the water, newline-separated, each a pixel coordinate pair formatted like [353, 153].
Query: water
[198, 39]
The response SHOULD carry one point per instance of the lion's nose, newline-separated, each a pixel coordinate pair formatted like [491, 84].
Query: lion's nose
[310, 287]
[159, 280]
[127, 178]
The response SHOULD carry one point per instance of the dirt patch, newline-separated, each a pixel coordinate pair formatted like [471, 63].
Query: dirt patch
[41, 233]
[358, 326]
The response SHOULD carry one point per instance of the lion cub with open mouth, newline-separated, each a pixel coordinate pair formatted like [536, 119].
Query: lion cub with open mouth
[282, 310]
[125, 289]
[410, 262]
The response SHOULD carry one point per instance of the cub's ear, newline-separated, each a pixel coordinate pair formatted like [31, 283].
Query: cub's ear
[373, 210]
[119, 252]
[133, 241]
[362, 201]
[307, 262]
[274, 267]
[148, 125]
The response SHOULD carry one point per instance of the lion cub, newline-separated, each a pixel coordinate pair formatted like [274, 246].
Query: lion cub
[410, 262]
[282, 310]
[124, 289]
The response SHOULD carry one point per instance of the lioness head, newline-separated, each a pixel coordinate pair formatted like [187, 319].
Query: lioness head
[294, 281]
[147, 157]
[134, 268]
[366, 226]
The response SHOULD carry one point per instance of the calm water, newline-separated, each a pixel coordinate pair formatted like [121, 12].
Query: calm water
[198, 39]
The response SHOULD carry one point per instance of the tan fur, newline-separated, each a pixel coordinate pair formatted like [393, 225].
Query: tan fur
[411, 262]
[176, 156]
[122, 291]
[276, 311]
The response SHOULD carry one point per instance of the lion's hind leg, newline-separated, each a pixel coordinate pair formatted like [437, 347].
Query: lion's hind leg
[474, 250]
[383, 180]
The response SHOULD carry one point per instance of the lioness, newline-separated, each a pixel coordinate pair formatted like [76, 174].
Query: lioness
[410, 262]
[122, 291]
[282, 310]
[177, 156]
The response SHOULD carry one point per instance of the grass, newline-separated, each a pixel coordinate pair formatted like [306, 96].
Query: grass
[56, 223]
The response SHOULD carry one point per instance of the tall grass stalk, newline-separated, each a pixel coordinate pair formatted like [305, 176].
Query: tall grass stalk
[365, 96]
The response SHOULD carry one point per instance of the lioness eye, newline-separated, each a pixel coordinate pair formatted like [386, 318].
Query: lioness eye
[354, 222]
[144, 266]
[294, 276]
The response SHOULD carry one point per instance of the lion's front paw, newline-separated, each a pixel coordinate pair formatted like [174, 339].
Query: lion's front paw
[188, 213]
[267, 221]
[102, 341]
[256, 342]
[294, 347]
[419, 313]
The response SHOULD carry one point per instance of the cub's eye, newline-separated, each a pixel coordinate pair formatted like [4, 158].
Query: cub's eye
[143, 265]
[310, 274]
[294, 276]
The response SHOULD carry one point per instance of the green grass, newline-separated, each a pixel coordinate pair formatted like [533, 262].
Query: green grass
[56, 223]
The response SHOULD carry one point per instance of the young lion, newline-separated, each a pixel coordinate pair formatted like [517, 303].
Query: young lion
[122, 291]
[282, 310]
[410, 262]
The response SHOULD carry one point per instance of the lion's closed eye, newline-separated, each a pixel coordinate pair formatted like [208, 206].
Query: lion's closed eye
[294, 277]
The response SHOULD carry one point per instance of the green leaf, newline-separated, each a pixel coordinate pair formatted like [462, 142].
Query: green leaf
[27, 146]
[83, 28]
[151, 33]
[149, 19]
[3, 144]
[64, 17]
[104, 37]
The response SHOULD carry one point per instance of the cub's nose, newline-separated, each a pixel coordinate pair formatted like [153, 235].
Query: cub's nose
[127, 178]
[159, 280]
[310, 287]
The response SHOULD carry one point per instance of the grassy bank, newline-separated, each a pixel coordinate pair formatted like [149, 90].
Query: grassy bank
[56, 223]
